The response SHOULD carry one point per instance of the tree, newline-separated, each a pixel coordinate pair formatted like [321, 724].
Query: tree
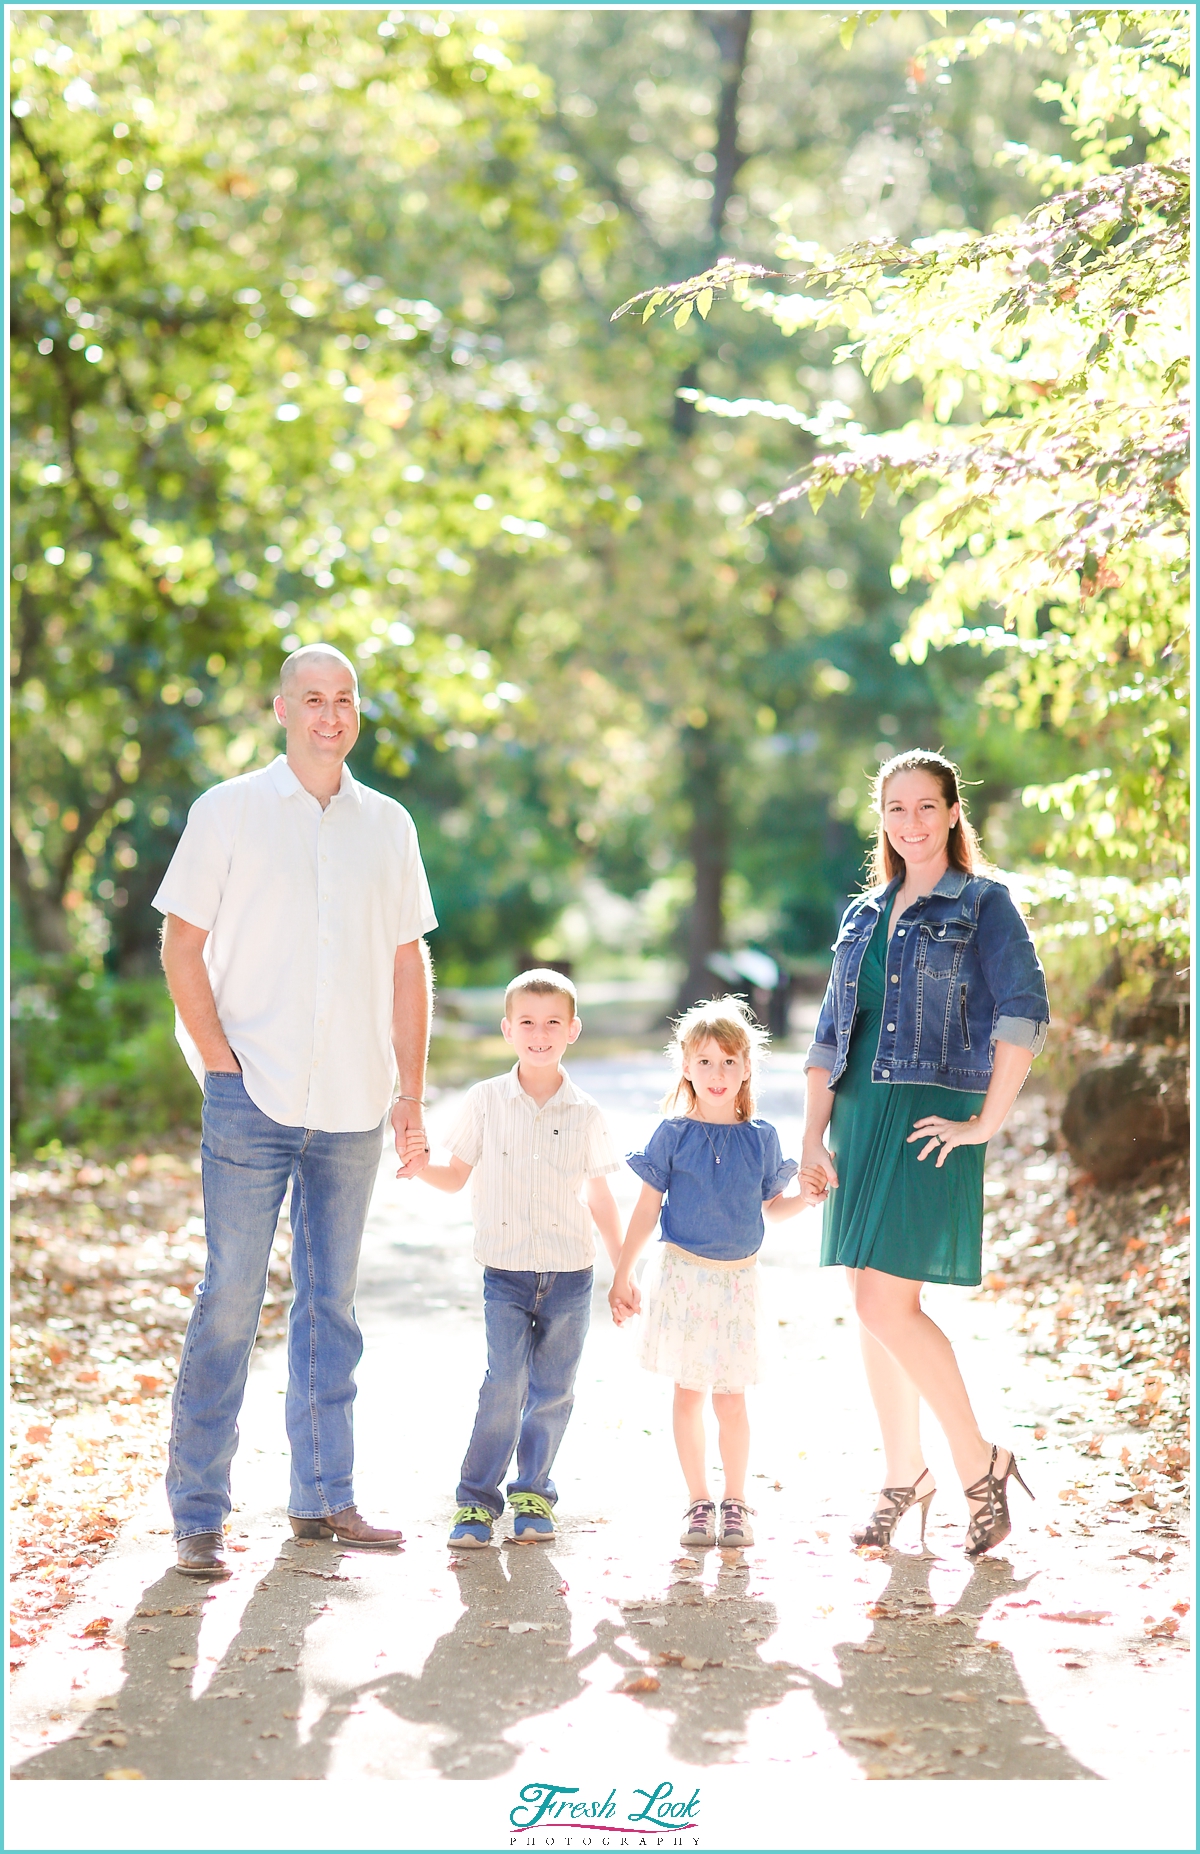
[762, 659]
[240, 422]
[1049, 517]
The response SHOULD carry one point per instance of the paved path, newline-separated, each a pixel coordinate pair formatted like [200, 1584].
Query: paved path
[322, 1663]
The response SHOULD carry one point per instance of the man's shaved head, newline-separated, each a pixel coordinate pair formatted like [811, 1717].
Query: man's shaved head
[309, 655]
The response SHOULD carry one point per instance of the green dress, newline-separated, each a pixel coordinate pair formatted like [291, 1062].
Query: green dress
[892, 1211]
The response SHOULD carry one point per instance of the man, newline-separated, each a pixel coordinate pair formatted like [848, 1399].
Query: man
[295, 906]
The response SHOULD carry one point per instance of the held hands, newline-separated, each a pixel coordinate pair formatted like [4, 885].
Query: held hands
[818, 1173]
[814, 1185]
[412, 1141]
[624, 1297]
[946, 1135]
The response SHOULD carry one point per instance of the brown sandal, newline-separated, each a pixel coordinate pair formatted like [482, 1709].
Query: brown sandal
[991, 1525]
[894, 1502]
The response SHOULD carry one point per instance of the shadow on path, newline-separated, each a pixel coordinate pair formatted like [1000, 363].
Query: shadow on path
[926, 1696]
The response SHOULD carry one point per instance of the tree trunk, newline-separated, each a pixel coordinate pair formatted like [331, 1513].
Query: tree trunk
[705, 775]
[732, 34]
[708, 851]
[45, 916]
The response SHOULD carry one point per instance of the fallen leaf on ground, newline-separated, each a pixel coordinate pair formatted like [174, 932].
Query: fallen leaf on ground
[692, 1663]
[99, 1625]
[125, 1775]
[1168, 1626]
[269, 1734]
[291, 1715]
[722, 1738]
[872, 1735]
[182, 1660]
[107, 1704]
[1008, 1699]
[118, 1740]
[916, 1692]
[962, 1699]
[1077, 1615]
[641, 1683]
[870, 1648]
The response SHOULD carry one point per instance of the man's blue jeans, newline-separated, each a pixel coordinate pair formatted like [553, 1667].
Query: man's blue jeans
[247, 1161]
[536, 1325]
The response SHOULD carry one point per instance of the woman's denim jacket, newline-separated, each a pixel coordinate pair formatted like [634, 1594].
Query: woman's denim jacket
[961, 973]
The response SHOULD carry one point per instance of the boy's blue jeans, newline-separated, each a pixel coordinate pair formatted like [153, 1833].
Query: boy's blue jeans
[536, 1325]
[247, 1162]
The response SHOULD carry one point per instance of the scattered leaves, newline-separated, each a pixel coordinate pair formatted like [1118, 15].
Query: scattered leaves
[104, 1259]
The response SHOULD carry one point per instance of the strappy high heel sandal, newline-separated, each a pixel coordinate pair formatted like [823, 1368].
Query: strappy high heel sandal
[990, 1524]
[894, 1502]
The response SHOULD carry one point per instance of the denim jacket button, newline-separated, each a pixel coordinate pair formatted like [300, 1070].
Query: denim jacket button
[895, 978]
[900, 933]
[886, 1073]
[891, 1026]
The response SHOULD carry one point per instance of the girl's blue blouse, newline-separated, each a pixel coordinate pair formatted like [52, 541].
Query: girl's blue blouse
[714, 1210]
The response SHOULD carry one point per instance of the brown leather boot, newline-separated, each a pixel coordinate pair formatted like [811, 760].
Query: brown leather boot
[200, 1556]
[349, 1528]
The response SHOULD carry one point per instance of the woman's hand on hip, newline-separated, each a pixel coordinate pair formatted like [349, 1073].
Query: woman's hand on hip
[942, 1136]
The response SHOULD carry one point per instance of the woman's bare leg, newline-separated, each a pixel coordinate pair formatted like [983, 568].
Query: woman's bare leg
[890, 1311]
[687, 1418]
[733, 1425]
[898, 1407]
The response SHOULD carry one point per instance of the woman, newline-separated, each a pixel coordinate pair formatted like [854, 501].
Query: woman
[935, 1009]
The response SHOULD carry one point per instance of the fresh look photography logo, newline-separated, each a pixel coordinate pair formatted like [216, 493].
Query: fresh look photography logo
[560, 1815]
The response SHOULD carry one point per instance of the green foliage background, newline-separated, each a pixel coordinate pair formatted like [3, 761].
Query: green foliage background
[312, 339]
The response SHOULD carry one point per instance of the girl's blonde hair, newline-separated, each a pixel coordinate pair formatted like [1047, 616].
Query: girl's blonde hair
[730, 1024]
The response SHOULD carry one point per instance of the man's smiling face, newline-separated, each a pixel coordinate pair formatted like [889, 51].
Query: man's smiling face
[319, 709]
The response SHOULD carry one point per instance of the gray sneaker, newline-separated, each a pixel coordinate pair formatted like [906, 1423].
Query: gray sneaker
[736, 1529]
[700, 1524]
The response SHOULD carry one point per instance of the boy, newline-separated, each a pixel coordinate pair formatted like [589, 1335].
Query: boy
[534, 1142]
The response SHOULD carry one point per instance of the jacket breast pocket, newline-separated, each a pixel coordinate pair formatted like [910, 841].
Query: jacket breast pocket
[941, 948]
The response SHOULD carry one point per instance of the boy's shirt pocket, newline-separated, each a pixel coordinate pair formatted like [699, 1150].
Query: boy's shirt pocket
[561, 1141]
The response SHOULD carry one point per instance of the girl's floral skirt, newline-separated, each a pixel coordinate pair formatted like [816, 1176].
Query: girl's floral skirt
[701, 1320]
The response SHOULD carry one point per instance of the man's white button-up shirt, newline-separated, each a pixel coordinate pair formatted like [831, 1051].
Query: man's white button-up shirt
[530, 1164]
[304, 910]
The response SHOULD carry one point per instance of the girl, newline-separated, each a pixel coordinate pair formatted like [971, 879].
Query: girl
[709, 1175]
[935, 1009]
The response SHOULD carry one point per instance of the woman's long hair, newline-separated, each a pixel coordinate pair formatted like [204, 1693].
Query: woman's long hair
[728, 1022]
[962, 846]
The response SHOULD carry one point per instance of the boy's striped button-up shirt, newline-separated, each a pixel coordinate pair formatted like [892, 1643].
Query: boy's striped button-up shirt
[530, 1164]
